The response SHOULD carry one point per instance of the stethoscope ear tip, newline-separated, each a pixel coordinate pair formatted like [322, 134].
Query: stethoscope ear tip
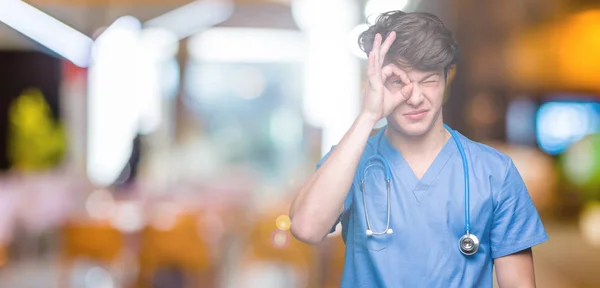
[388, 231]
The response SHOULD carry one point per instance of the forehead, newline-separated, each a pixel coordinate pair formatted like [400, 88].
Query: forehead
[419, 74]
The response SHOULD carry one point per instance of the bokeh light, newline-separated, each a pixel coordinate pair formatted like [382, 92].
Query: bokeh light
[590, 223]
[97, 277]
[483, 110]
[165, 216]
[520, 121]
[581, 165]
[128, 217]
[283, 222]
[353, 41]
[538, 171]
[250, 83]
[280, 239]
[560, 124]
[100, 204]
[285, 127]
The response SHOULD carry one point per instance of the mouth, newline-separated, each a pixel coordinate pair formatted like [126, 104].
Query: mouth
[416, 115]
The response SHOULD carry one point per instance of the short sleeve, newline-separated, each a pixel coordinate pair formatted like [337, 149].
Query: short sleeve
[347, 201]
[517, 224]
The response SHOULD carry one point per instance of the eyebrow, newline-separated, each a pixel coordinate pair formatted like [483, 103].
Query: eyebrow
[429, 76]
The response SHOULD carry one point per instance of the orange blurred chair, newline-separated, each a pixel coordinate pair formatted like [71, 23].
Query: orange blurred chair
[267, 245]
[3, 256]
[332, 257]
[179, 246]
[97, 241]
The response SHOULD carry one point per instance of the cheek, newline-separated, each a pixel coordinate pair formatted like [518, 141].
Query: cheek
[435, 95]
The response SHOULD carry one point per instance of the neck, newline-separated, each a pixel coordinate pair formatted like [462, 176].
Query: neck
[420, 146]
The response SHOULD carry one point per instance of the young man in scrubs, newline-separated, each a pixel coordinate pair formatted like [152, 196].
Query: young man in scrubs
[409, 57]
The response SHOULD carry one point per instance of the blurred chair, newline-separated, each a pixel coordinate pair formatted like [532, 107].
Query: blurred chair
[3, 256]
[95, 241]
[332, 254]
[178, 251]
[279, 255]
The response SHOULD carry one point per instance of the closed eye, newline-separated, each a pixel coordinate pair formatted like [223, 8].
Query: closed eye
[431, 78]
[430, 82]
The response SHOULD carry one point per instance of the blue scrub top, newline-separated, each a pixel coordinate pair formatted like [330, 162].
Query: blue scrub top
[427, 217]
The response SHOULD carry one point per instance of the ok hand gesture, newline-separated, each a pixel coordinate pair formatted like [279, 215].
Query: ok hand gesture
[378, 100]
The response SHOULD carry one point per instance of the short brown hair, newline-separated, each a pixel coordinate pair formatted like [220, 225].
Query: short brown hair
[422, 40]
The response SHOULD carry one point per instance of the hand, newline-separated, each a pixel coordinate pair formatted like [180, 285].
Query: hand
[378, 101]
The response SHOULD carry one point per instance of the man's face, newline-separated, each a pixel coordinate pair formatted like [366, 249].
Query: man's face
[417, 114]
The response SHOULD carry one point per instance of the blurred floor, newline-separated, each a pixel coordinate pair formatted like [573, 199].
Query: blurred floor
[566, 261]
[43, 273]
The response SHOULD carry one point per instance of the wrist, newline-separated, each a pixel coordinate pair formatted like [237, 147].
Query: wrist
[366, 120]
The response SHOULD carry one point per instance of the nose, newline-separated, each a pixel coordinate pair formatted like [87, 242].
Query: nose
[416, 97]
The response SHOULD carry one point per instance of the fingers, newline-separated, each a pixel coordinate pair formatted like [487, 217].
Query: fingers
[396, 99]
[392, 69]
[376, 52]
[385, 47]
[403, 76]
[376, 58]
[381, 49]
[407, 91]
[373, 74]
[370, 66]
[374, 69]
[404, 93]
[388, 71]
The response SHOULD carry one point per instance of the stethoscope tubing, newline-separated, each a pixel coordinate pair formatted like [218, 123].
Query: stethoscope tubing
[378, 157]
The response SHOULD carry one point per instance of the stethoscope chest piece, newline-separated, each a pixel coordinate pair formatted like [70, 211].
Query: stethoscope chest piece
[468, 244]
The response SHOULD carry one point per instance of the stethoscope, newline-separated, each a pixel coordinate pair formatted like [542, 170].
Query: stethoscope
[468, 243]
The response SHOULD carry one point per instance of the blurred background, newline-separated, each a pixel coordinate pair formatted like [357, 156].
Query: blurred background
[154, 143]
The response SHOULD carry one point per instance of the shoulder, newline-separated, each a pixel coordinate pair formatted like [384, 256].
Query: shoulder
[494, 168]
[372, 143]
[485, 158]
[370, 147]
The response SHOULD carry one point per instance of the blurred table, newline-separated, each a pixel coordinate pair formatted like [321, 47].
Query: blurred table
[566, 260]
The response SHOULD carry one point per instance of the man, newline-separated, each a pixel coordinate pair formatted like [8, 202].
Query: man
[410, 55]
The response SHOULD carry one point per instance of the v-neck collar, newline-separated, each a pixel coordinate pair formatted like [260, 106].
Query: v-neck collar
[402, 171]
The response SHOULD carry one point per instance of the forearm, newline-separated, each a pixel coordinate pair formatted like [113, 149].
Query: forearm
[320, 201]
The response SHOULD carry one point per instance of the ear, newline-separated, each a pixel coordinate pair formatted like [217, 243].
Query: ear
[450, 74]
